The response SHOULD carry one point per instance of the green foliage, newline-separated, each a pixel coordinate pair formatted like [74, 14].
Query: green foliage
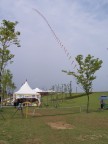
[7, 83]
[85, 72]
[8, 37]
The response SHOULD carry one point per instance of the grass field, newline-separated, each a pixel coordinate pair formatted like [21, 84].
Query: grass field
[49, 125]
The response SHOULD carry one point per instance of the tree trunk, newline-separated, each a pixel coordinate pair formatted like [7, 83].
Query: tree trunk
[87, 103]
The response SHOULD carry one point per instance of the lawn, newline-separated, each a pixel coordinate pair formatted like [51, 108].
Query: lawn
[49, 125]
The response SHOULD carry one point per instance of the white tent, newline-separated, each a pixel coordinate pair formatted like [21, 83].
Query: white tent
[38, 90]
[41, 92]
[26, 92]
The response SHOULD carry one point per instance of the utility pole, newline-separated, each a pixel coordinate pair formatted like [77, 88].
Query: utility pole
[70, 88]
[76, 89]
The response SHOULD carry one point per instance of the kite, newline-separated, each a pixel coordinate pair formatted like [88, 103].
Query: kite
[56, 37]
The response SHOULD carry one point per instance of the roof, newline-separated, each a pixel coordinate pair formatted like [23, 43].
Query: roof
[38, 90]
[103, 98]
[25, 89]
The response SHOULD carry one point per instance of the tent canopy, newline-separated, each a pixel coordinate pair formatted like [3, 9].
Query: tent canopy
[25, 90]
[38, 90]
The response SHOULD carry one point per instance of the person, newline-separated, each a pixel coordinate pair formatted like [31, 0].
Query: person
[102, 104]
[15, 103]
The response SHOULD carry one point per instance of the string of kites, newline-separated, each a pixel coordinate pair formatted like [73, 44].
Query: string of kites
[57, 39]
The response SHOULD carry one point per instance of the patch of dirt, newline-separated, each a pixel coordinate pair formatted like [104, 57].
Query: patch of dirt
[3, 142]
[60, 125]
[89, 137]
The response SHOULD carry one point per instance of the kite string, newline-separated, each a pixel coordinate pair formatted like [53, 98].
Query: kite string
[58, 40]
[47, 23]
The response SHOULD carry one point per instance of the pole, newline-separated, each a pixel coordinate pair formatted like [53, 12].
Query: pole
[70, 88]
[76, 89]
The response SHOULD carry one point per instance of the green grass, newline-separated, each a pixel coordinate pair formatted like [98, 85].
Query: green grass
[80, 100]
[87, 128]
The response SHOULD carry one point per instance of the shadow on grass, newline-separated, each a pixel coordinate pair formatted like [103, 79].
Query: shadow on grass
[77, 96]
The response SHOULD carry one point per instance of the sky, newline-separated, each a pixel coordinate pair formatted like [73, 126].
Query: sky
[80, 27]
